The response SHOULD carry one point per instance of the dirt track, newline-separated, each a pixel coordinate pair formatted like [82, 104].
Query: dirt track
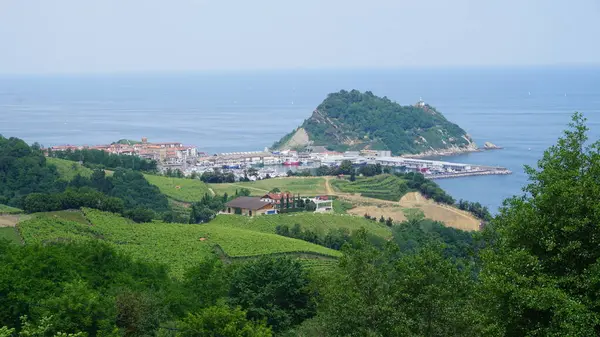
[450, 216]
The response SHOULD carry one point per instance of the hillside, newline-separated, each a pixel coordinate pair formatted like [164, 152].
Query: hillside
[68, 169]
[352, 120]
[175, 245]
[305, 186]
[320, 223]
[179, 189]
[383, 186]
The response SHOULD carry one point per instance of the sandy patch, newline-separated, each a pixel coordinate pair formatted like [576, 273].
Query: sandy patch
[9, 220]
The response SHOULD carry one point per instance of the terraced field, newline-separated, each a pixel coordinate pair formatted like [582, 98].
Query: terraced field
[321, 223]
[179, 189]
[306, 186]
[175, 245]
[385, 186]
[69, 169]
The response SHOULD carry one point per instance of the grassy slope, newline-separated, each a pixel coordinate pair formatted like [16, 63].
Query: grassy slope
[383, 186]
[9, 210]
[176, 245]
[10, 234]
[321, 223]
[69, 169]
[190, 190]
[310, 186]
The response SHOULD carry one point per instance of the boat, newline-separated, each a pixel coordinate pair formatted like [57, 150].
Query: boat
[291, 163]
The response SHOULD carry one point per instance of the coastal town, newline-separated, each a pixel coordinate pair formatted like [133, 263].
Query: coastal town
[172, 156]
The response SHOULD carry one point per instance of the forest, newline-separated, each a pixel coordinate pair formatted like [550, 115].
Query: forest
[534, 270]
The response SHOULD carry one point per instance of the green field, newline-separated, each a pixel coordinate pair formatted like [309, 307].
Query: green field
[320, 223]
[10, 234]
[309, 186]
[178, 246]
[69, 169]
[384, 186]
[9, 210]
[180, 189]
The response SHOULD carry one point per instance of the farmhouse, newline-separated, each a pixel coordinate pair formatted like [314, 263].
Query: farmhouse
[248, 206]
[275, 198]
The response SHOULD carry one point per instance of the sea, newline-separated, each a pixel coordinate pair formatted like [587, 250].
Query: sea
[522, 109]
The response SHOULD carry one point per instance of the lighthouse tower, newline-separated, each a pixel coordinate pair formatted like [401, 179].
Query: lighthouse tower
[421, 103]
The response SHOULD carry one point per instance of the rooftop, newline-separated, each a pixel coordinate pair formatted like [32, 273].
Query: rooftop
[247, 203]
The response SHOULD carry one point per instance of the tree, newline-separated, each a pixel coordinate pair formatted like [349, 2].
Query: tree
[222, 321]
[382, 219]
[275, 289]
[206, 283]
[540, 274]
[275, 190]
[389, 222]
[201, 213]
[378, 293]
[140, 214]
[310, 206]
[353, 176]
[137, 314]
[346, 168]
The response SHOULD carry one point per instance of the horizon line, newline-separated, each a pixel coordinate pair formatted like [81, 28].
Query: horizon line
[295, 69]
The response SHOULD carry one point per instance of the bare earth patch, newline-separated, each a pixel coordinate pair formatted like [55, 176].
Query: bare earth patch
[9, 220]
[450, 216]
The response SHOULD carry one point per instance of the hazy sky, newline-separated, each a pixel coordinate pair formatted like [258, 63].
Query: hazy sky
[42, 36]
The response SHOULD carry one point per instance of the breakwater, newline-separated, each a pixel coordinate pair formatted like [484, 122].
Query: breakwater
[484, 172]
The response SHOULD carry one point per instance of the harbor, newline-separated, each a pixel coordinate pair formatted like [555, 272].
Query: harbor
[267, 164]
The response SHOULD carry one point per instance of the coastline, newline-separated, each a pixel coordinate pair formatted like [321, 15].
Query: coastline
[449, 152]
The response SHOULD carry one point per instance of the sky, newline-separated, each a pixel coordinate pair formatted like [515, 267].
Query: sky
[111, 36]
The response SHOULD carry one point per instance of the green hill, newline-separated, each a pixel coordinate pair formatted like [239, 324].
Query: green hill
[69, 169]
[175, 245]
[352, 120]
[320, 223]
[179, 189]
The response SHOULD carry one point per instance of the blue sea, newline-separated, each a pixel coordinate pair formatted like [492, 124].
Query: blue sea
[523, 110]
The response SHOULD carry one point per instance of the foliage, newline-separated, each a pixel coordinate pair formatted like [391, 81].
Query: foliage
[377, 293]
[221, 321]
[217, 176]
[272, 289]
[378, 123]
[23, 170]
[10, 234]
[475, 208]
[541, 274]
[427, 187]
[72, 198]
[74, 284]
[384, 186]
[206, 282]
[412, 235]
[207, 208]
[180, 189]
[101, 159]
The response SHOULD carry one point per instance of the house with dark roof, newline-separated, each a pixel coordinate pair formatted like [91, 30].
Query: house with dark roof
[248, 206]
